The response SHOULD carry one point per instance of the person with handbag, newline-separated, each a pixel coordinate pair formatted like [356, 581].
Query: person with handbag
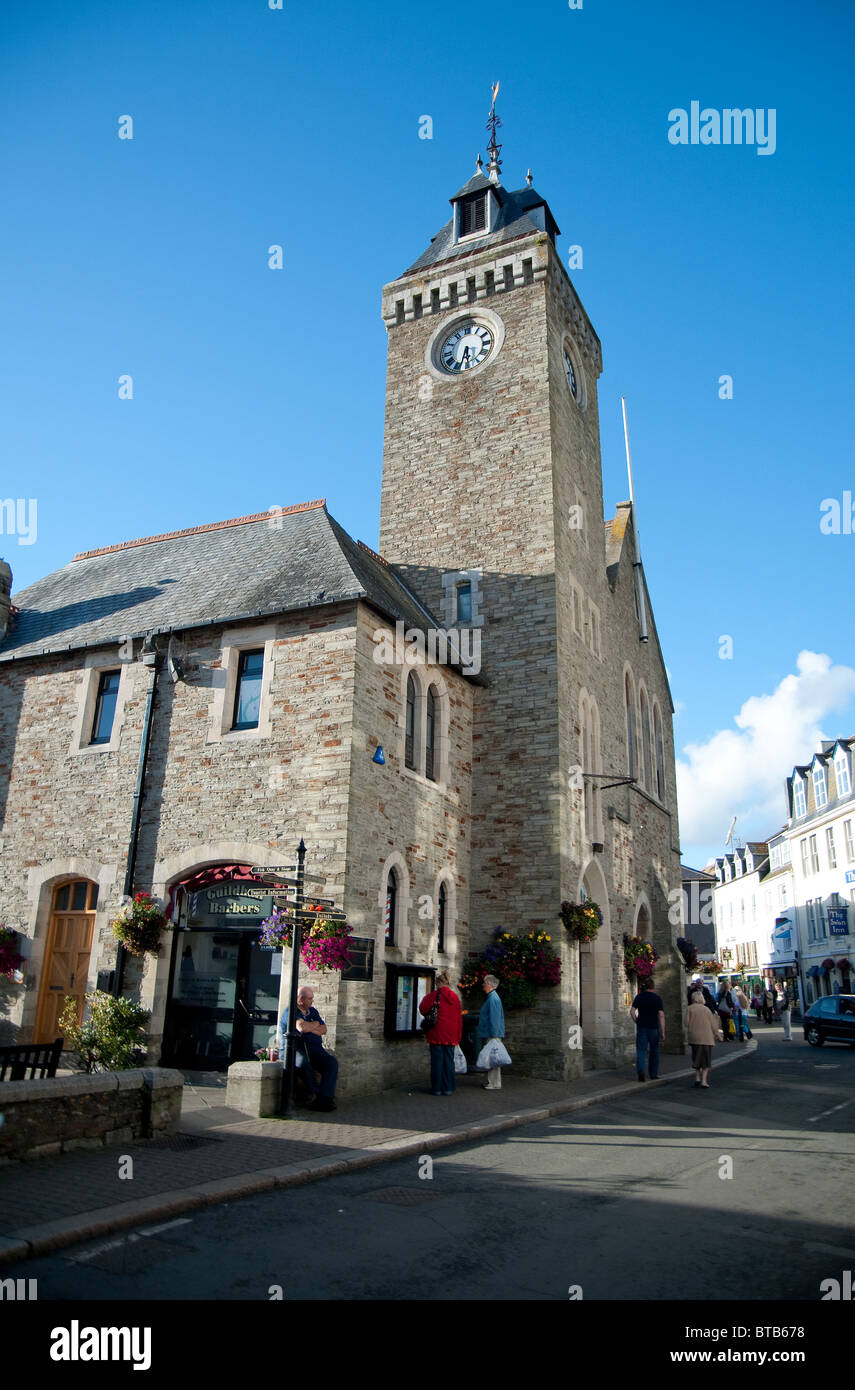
[724, 1002]
[443, 1027]
[491, 1027]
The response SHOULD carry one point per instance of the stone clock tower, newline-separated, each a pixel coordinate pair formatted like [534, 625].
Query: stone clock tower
[492, 506]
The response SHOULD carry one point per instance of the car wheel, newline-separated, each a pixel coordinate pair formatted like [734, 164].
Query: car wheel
[814, 1036]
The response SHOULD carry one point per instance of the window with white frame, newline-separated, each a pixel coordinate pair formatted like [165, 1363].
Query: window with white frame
[813, 918]
[841, 773]
[850, 842]
[805, 857]
[820, 791]
[832, 852]
[814, 854]
[782, 894]
[799, 798]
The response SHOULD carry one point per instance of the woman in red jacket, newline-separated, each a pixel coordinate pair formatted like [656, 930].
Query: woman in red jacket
[444, 1037]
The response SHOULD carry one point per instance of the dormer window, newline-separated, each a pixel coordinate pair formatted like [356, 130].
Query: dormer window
[799, 803]
[819, 788]
[473, 215]
[841, 773]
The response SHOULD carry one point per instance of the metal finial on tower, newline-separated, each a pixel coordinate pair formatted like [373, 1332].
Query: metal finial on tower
[493, 123]
[479, 165]
[529, 178]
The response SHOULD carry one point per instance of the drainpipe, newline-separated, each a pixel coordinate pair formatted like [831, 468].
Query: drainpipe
[151, 658]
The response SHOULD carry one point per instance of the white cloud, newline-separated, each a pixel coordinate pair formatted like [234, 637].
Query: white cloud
[742, 773]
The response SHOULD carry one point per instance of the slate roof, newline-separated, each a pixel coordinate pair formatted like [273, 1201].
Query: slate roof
[520, 214]
[229, 571]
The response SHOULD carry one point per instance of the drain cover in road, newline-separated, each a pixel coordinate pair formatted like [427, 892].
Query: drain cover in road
[404, 1196]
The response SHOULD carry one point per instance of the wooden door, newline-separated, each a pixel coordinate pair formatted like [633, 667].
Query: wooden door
[66, 963]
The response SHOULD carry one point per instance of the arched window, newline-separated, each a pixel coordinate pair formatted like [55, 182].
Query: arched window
[441, 918]
[659, 753]
[629, 698]
[410, 730]
[430, 734]
[644, 760]
[391, 913]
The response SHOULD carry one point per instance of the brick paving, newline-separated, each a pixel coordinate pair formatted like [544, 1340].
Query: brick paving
[221, 1154]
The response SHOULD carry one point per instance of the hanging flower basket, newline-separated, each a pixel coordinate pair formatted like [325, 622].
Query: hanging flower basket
[325, 945]
[10, 960]
[582, 920]
[521, 963]
[639, 957]
[139, 926]
[689, 951]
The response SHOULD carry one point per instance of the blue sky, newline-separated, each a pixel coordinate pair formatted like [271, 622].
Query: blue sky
[252, 387]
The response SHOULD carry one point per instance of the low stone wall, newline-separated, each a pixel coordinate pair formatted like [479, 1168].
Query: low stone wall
[63, 1113]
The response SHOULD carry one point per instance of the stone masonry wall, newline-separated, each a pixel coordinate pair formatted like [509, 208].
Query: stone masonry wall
[62, 1113]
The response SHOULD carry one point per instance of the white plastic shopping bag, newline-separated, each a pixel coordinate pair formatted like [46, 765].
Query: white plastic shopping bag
[493, 1054]
[460, 1065]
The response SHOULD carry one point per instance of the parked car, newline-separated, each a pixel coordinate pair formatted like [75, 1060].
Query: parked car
[831, 1019]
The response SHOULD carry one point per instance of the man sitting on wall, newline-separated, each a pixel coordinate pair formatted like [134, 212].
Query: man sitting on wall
[312, 1056]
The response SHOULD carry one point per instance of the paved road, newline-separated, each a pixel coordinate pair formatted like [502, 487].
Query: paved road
[611, 1199]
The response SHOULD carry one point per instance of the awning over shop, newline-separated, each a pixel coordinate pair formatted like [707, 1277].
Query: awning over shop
[215, 873]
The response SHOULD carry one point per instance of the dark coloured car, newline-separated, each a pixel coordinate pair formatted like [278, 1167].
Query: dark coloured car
[831, 1019]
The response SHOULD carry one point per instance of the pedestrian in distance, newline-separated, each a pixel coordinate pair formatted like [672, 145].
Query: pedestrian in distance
[702, 1032]
[648, 1015]
[698, 984]
[757, 1002]
[491, 1028]
[743, 1006]
[787, 1012]
[724, 1004]
[444, 1036]
[768, 1005]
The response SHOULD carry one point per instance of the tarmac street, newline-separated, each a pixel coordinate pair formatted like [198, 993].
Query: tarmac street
[611, 1201]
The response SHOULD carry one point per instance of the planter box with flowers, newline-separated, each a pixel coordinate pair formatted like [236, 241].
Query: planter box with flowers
[581, 920]
[139, 926]
[639, 957]
[521, 963]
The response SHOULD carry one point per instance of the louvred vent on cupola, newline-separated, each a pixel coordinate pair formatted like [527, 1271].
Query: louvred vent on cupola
[473, 215]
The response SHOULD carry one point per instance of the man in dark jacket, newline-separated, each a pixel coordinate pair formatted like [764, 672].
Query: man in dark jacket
[648, 1015]
[696, 984]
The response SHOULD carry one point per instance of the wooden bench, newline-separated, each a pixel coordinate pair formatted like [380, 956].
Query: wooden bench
[41, 1058]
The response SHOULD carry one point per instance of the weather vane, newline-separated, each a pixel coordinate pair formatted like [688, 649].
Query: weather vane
[493, 148]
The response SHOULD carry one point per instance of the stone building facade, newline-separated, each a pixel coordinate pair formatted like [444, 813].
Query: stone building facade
[532, 762]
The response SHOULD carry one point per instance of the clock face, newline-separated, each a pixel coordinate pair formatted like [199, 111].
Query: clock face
[570, 372]
[468, 345]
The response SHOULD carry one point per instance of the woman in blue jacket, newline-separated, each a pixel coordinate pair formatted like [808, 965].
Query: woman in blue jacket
[491, 1024]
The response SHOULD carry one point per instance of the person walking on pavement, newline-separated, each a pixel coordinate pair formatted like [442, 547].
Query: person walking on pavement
[724, 1003]
[768, 1004]
[491, 1024]
[757, 1002]
[702, 1032]
[786, 1012]
[741, 1000]
[648, 1015]
[698, 984]
[444, 1036]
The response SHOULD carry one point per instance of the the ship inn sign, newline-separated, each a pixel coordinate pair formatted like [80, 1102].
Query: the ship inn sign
[231, 902]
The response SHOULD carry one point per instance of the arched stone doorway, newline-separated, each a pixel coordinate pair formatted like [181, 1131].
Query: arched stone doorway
[65, 967]
[596, 1002]
[222, 998]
